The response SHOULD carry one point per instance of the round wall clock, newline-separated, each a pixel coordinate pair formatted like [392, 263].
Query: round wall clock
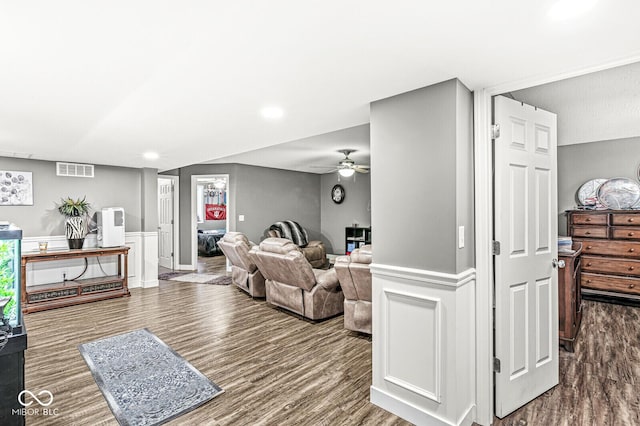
[337, 194]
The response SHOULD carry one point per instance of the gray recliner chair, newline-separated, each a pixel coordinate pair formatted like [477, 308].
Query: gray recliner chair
[314, 250]
[244, 272]
[293, 284]
[355, 279]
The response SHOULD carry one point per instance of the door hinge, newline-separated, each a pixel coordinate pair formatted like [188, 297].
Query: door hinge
[171, 254]
[495, 131]
[496, 365]
[172, 221]
[495, 249]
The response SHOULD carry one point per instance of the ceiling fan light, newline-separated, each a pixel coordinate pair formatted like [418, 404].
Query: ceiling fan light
[346, 172]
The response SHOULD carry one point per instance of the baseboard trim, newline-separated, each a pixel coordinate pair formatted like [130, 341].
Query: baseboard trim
[404, 409]
[150, 283]
[184, 268]
[422, 275]
[414, 414]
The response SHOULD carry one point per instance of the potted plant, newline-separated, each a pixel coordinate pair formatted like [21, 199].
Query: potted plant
[76, 222]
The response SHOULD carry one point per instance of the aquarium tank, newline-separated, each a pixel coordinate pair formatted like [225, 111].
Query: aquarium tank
[10, 253]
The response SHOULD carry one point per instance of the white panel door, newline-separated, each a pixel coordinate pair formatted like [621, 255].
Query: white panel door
[165, 223]
[526, 279]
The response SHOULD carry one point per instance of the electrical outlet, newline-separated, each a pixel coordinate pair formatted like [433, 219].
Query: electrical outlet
[241, 218]
[461, 237]
[64, 276]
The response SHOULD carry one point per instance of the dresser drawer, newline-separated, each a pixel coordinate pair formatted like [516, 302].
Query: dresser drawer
[608, 265]
[589, 219]
[611, 248]
[590, 231]
[628, 219]
[611, 283]
[625, 233]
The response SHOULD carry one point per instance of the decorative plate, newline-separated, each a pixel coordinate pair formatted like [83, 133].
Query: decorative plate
[588, 192]
[619, 193]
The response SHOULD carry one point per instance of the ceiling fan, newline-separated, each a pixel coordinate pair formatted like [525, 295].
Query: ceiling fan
[347, 167]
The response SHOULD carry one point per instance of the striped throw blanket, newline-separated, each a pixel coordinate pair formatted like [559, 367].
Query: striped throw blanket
[291, 231]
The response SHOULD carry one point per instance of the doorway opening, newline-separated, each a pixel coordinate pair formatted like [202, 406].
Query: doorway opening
[573, 166]
[210, 199]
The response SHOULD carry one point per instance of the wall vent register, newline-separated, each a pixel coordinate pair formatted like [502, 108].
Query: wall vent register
[75, 170]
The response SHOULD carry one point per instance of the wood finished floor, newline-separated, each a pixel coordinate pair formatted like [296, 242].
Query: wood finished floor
[600, 381]
[275, 368]
[278, 369]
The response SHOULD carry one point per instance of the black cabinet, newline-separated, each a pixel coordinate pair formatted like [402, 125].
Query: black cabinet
[12, 380]
[356, 237]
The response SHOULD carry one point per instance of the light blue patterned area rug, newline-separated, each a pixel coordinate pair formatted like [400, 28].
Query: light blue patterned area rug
[144, 381]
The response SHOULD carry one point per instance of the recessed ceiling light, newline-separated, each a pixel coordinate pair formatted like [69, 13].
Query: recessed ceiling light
[150, 155]
[568, 9]
[272, 112]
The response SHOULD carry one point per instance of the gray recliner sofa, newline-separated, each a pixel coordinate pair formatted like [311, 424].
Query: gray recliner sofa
[244, 272]
[314, 250]
[355, 280]
[293, 284]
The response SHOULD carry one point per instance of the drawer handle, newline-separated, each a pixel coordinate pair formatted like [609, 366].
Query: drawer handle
[588, 233]
[589, 264]
[631, 268]
[588, 219]
[632, 250]
[632, 285]
[630, 234]
[588, 281]
[589, 247]
[630, 219]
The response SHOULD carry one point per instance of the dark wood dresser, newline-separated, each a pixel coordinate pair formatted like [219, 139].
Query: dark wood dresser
[610, 252]
[569, 297]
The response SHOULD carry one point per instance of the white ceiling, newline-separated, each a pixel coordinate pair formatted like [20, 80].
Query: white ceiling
[600, 106]
[316, 154]
[103, 82]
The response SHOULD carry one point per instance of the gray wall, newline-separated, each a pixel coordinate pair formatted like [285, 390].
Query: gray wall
[263, 195]
[149, 200]
[582, 162]
[465, 181]
[111, 187]
[356, 208]
[420, 152]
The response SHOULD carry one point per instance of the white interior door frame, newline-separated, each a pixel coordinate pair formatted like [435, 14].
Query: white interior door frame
[194, 220]
[175, 182]
[484, 227]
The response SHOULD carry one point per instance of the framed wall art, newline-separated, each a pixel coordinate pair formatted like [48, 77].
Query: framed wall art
[16, 188]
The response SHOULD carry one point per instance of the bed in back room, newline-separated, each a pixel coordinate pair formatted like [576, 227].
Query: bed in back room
[207, 242]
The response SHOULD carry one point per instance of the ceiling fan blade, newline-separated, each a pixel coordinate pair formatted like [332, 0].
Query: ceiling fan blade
[359, 170]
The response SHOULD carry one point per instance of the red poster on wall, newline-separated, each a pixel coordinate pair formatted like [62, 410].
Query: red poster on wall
[215, 212]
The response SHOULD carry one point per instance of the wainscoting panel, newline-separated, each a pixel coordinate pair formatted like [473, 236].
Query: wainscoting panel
[150, 260]
[421, 315]
[143, 260]
[424, 344]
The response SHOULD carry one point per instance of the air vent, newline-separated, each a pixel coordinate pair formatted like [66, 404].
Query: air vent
[74, 170]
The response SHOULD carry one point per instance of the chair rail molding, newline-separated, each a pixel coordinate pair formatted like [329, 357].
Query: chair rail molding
[424, 344]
